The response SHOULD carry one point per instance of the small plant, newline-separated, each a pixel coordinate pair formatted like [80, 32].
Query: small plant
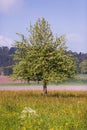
[28, 116]
[27, 112]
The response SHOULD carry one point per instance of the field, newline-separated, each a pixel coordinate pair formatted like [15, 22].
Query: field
[30, 110]
[80, 79]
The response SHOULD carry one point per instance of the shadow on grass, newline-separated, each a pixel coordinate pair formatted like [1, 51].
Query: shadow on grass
[39, 94]
[68, 94]
[57, 94]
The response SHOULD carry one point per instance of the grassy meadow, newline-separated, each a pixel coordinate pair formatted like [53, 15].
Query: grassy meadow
[30, 110]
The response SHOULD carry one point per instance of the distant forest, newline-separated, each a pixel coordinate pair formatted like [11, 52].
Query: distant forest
[6, 60]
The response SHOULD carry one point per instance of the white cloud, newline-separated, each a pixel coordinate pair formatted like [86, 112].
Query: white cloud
[4, 41]
[9, 5]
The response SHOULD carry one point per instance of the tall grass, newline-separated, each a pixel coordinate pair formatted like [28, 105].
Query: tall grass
[30, 110]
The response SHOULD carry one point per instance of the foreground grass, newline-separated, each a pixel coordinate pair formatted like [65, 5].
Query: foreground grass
[57, 111]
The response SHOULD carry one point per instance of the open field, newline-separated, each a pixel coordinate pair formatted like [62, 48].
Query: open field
[77, 84]
[50, 88]
[30, 110]
[80, 79]
[9, 80]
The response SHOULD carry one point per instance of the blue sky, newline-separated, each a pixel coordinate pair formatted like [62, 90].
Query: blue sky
[67, 17]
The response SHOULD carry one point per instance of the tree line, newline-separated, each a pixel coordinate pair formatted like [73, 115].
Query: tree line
[6, 60]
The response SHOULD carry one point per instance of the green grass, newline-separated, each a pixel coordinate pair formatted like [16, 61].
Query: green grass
[59, 110]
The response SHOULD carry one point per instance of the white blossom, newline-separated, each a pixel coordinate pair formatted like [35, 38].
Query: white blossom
[27, 112]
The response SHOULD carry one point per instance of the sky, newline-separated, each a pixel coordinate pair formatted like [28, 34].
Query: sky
[66, 17]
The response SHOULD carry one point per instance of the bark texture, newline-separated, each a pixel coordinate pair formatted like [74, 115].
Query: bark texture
[44, 87]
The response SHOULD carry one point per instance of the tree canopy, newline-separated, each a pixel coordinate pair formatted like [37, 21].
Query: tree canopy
[42, 56]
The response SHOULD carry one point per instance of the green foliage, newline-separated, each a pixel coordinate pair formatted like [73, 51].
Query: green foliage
[6, 60]
[83, 67]
[78, 57]
[51, 112]
[43, 56]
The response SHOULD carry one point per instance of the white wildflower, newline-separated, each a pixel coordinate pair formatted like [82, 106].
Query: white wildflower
[27, 112]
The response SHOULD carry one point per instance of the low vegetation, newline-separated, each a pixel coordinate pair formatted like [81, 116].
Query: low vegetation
[30, 110]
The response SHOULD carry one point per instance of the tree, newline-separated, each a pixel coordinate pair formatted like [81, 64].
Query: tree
[43, 56]
[83, 67]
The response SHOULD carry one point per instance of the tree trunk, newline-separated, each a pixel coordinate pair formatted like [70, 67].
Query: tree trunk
[38, 81]
[28, 80]
[44, 87]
